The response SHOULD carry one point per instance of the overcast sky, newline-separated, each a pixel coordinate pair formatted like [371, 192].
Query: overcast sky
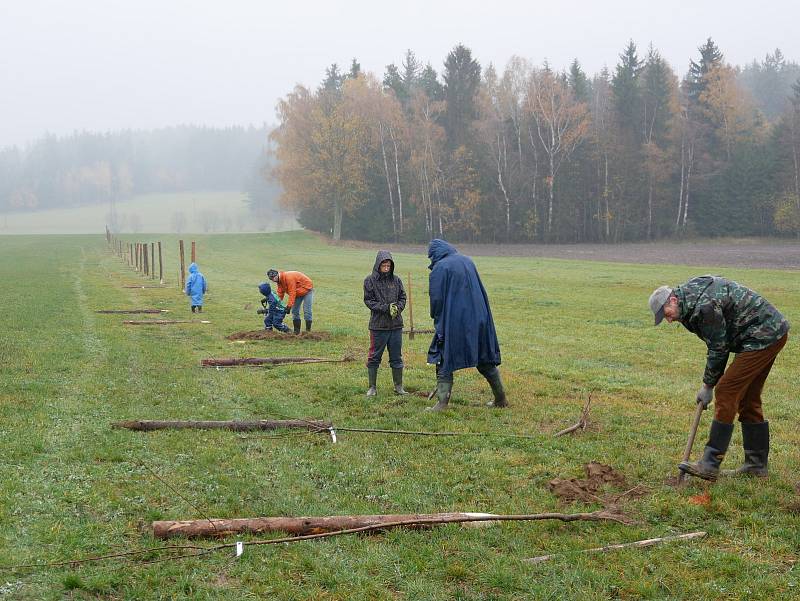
[108, 64]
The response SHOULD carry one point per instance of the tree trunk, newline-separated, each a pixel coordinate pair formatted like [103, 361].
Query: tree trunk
[256, 361]
[397, 176]
[337, 221]
[302, 526]
[235, 425]
[680, 193]
[388, 182]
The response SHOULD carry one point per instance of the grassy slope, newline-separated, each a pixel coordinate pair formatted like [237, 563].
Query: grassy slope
[155, 213]
[71, 487]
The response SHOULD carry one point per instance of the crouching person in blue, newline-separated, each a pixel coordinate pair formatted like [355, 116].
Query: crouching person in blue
[465, 334]
[386, 298]
[273, 309]
[196, 287]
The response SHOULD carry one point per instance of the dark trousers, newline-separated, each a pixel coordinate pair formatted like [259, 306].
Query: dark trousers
[739, 388]
[487, 370]
[379, 340]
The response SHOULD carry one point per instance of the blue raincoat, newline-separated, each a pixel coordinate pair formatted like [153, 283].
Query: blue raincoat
[465, 334]
[196, 285]
[275, 310]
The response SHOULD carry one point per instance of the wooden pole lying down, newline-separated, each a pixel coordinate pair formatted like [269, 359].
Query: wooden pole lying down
[256, 361]
[301, 526]
[236, 425]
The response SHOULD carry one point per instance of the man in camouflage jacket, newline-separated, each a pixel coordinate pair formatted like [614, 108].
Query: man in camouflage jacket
[729, 318]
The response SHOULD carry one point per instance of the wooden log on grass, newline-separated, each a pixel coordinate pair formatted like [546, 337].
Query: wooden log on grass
[141, 425]
[304, 526]
[129, 311]
[258, 361]
[416, 331]
[159, 322]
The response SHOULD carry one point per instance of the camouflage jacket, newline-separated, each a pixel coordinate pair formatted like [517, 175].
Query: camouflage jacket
[729, 318]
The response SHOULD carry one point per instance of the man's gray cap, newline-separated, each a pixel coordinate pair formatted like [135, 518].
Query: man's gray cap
[657, 301]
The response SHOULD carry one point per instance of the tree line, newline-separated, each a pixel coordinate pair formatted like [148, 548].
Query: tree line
[92, 168]
[530, 153]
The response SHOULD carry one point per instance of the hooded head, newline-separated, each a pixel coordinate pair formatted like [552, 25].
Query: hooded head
[264, 288]
[383, 255]
[193, 268]
[438, 250]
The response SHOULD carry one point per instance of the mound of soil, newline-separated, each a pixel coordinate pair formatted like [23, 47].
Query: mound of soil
[598, 476]
[285, 337]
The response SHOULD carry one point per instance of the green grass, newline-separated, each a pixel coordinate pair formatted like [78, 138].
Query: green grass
[201, 212]
[72, 487]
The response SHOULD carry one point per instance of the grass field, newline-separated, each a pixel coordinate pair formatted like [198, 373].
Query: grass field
[72, 487]
[180, 211]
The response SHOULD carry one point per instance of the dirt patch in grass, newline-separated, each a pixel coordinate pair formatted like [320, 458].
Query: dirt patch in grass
[747, 252]
[283, 336]
[593, 488]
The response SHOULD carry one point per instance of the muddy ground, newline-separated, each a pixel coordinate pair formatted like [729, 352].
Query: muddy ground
[284, 337]
[760, 254]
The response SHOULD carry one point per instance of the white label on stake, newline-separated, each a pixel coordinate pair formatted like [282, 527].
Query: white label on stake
[333, 435]
[239, 548]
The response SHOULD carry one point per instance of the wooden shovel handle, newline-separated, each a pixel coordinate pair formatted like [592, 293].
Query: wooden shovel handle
[698, 413]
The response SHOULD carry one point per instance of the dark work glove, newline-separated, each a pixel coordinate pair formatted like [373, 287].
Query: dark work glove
[704, 395]
[264, 302]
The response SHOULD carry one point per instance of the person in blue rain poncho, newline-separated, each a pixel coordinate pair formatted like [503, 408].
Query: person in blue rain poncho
[464, 330]
[275, 311]
[196, 287]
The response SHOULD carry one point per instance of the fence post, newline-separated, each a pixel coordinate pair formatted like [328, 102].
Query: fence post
[160, 265]
[152, 260]
[146, 259]
[194, 253]
[410, 309]
[183, 264]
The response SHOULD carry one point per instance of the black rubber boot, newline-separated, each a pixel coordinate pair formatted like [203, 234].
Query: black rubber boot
[493, 377]
[397, 378]
[296, 323]
[372, 375]
[755, 440]
[716, 447]
[443, 390]
[308, 325]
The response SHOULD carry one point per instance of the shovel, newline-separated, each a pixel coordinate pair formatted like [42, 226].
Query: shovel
[698, 413]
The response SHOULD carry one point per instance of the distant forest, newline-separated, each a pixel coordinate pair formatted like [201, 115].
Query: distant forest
[92, 168]
[530, 153]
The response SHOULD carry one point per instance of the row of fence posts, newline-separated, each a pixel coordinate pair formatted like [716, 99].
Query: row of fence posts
[141, 257]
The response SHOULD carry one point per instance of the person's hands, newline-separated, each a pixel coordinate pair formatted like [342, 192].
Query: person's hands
[393, 310]
[704, 395]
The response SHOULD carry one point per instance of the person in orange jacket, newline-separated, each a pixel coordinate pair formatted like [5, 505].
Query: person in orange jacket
[300, 289]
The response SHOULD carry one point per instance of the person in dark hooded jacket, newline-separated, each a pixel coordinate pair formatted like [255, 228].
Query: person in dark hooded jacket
[275, 311]
[464, 330]
[386, 298]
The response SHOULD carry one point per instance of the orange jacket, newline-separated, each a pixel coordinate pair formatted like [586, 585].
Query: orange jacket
[296, 283]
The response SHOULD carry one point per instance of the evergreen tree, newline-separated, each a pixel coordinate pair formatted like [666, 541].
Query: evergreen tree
[625, 87]
[462, 78]
[355, 69]
[392, 80]
[333, 79]
[578, 82]
[430, 84]
[710, 57]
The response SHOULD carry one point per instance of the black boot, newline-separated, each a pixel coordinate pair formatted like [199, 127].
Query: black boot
[372, 375]
[296, 323]
[755, 440]
[716, 447]
[308, 325]
[397, 378]
[443, 390]
[493, 377]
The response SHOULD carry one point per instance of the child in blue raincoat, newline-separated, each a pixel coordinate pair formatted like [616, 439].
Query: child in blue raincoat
[196, 287]
[275, 310]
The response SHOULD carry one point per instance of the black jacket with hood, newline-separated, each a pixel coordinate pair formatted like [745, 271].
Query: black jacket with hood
[381, 290]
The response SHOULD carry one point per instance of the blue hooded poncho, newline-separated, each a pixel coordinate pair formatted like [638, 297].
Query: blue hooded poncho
[465, 334]
[196, 285]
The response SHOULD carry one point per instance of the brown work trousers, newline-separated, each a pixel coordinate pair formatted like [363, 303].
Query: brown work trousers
[739, 388]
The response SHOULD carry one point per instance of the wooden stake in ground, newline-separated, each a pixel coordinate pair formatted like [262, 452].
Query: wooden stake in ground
[410, 309]
[145, 261]
[235, 425]
[303, 526]
[152, 260]
[183, 264]
[160, 265]
[582, 422]
[194, 253]
[259, 361]
[639, 543]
